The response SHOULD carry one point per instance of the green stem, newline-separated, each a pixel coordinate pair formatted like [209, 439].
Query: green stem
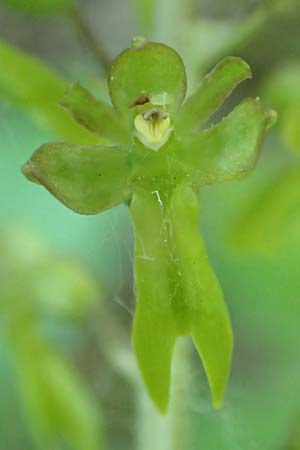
[166, 432]
[178, 420]
[95, 46]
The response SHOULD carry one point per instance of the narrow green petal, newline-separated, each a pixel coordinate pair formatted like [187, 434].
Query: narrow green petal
[177, 292]
[153, 340]
[228, 150]
[95, 115]
[209, 322]
[149, 68]
[86, 179]
[154, 329]
[211, 93]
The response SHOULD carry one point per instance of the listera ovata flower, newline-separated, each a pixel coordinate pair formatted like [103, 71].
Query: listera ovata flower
[154, 156]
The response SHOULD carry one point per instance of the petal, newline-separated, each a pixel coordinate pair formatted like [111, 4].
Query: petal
[209, 322]
[154, 339]
[149, 68]
[86, 179]
[95, 115]
[229, 149]
[211, 93]
[177, 292]
[154, 328]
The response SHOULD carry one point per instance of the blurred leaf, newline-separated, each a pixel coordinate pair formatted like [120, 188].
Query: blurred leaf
[293, 441]
[282, 89]
[229, 149]
[291, 127]
[58, 406]
[86, 179]
[48, 285]
[206, 40]
[201, 31]
[63, 289]
[271, 216]
[212, 92]
[146, 69]
[30, 85]
[95, 115]
[282, 86]
[41, 7]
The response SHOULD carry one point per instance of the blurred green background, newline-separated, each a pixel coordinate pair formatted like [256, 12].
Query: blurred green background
[67, 374]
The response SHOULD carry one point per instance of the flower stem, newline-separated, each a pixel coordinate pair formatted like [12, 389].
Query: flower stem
[166, 432]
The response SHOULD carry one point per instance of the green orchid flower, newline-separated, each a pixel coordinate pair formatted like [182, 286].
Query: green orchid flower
[155, 158]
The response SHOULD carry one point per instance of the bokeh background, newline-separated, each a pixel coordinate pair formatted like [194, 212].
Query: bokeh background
[68, 379]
